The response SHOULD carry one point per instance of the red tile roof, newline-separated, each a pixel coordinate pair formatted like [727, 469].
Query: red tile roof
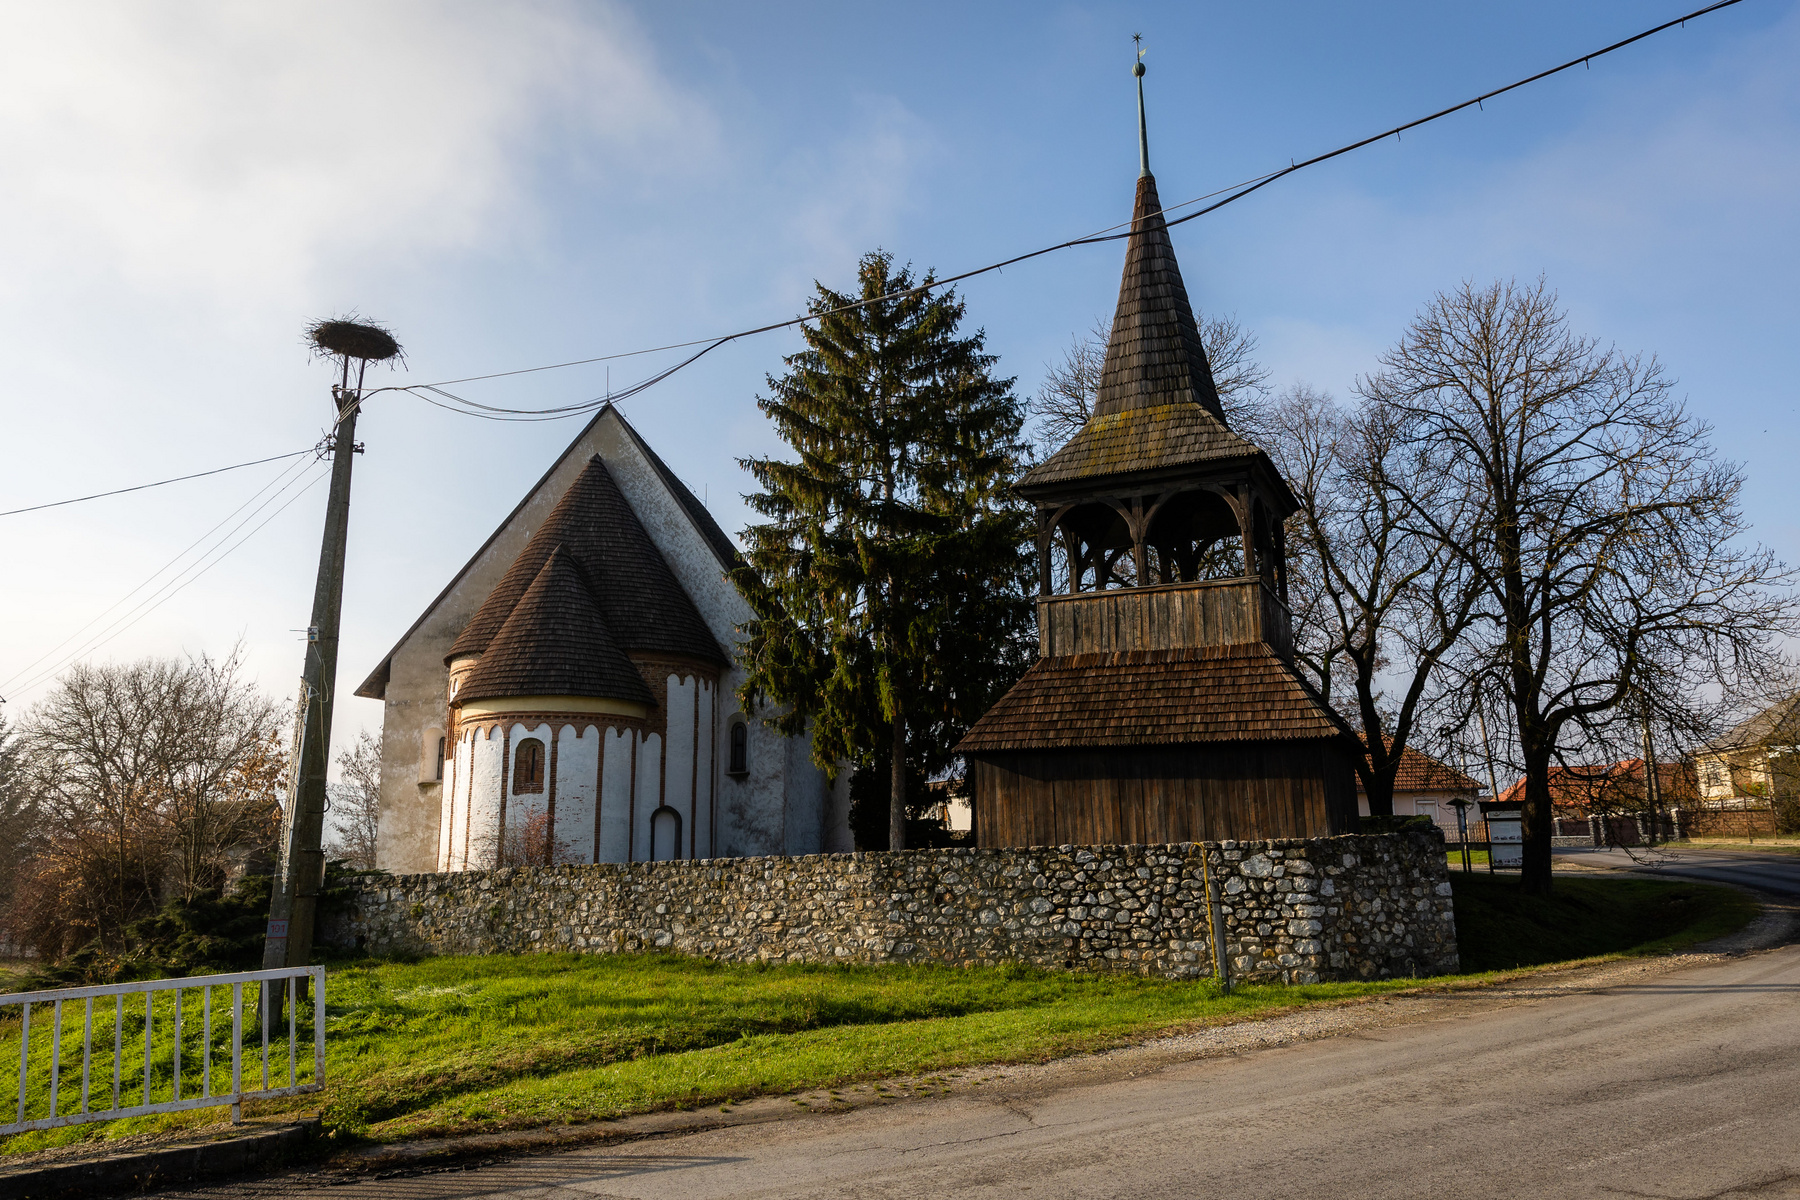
[1155, 697]
[1608, 784]
[1419, 772]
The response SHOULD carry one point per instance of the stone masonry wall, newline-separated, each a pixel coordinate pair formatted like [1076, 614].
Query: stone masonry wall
[1298, 911]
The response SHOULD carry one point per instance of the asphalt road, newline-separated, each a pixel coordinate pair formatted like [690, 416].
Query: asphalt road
[1685, 1082]
[1773, 872]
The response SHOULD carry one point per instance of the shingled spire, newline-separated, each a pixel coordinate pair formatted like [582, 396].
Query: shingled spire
[1154, 356]
[1156, 406]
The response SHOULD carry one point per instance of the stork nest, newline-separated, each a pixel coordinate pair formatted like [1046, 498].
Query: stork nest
[343, 337]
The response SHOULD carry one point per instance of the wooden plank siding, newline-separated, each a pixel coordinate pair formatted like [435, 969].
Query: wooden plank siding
[1161, 795]
[1222, 612]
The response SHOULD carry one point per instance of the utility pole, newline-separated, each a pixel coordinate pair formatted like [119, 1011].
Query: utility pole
[301, 873]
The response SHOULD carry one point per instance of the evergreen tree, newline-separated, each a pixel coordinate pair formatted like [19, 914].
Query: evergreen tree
[891, 581]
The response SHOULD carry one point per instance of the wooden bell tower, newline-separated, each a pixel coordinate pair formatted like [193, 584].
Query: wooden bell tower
[1164, 706]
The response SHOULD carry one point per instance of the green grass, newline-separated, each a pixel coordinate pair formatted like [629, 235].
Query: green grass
[1498, 927]
[452, 1045]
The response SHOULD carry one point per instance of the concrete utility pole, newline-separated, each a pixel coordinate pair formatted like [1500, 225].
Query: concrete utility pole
[301, 873]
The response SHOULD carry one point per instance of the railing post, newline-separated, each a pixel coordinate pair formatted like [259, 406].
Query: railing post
[237, 1053]
[318, 1024]
[118, 1044]
[149, 1019]
[24, 1054]
[87, 1050]
[55, 1053]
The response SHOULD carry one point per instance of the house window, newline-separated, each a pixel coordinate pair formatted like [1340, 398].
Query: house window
[528, 766]
[440, 759]
[738, 760]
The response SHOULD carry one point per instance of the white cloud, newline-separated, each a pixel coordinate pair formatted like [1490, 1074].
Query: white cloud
[250, 146]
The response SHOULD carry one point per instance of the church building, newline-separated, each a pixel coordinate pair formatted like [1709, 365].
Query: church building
[570, 696]
[1164, 705]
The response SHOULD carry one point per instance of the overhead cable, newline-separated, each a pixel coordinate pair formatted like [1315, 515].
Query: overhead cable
[1236, 192]
[12, 512]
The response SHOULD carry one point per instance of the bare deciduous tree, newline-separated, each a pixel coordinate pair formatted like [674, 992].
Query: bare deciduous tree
[156, 779]
[1065, 400]
[1377, 605]
[21, 830]
[1604, 534]
[356, 803]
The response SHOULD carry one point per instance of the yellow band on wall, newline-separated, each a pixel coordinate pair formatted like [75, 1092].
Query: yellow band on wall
[554, 704]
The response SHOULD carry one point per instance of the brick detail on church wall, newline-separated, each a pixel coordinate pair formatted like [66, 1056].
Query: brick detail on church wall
[1295, 911]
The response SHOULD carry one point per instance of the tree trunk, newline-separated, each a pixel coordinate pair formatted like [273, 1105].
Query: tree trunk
[1536, 823]
[1379, 788]
[897, 793]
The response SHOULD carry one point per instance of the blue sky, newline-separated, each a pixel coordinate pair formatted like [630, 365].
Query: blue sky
[184, 186]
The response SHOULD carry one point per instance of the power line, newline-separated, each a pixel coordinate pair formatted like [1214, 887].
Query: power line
[31, 678]
[1236, 192]
[13, 512]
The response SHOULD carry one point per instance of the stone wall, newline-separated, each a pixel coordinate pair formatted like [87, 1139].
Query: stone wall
[1296, 911]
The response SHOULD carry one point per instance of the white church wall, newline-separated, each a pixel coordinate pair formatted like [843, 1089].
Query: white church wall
[679, 791]
[522, 808]
[615, 795]
[706, 769]
[648, 795]
[577, 783]
[482, 825]
[749, 814]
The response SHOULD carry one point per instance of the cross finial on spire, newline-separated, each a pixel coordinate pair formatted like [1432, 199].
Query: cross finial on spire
[1137, 69]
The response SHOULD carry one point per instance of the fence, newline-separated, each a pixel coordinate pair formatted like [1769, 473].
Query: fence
[41, 1074]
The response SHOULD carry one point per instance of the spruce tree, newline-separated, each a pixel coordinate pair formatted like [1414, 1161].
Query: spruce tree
[890, 582]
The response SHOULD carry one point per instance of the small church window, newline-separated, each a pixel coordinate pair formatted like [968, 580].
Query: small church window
[738, 760]
[440, 758]
[528, 766]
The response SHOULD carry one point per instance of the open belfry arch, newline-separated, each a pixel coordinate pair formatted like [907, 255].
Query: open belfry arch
[571, 694]
[1165, 705]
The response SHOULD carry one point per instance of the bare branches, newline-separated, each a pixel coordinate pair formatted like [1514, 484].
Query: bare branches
[1617, 589]
[356, 803]
[1065, 400]
[1377, 604]
[154, 780]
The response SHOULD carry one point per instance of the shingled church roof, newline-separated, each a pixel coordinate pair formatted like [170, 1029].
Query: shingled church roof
[1157, 405]
[638, 597]
[555, 642]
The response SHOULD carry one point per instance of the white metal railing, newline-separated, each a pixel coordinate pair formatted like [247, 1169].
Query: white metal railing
[156, 1083]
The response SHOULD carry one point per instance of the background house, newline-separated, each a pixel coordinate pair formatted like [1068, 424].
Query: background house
[1748, 778]
[1425, 786]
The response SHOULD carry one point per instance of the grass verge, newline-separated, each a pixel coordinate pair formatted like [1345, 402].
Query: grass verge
[1498, 927]
[457, 1045]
